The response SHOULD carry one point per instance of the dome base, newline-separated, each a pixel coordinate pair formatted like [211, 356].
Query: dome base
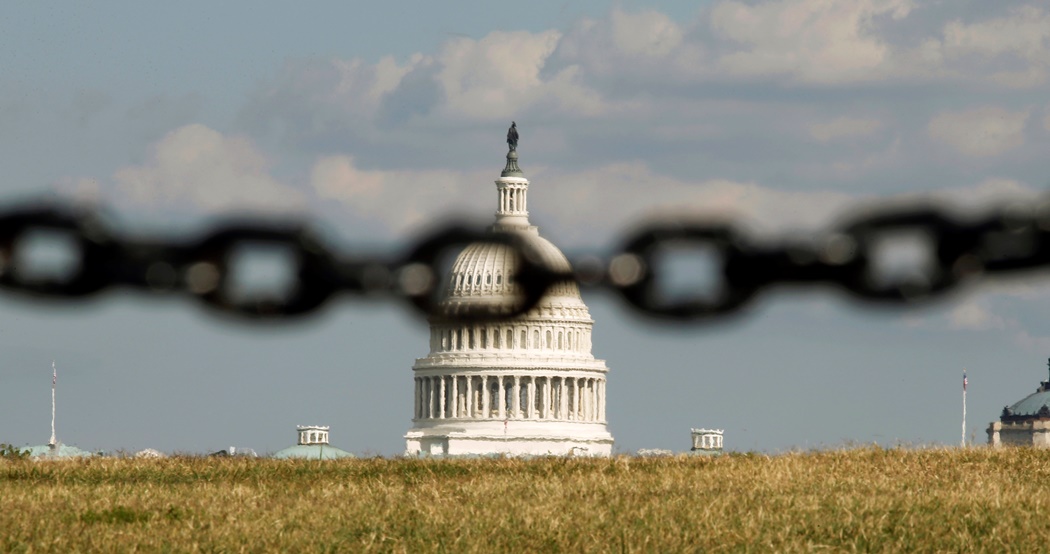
[448, 442]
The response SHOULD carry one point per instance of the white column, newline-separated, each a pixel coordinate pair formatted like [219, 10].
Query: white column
[548, 404]
[428, 384]
[576, 399]
[586, 406]
[594, 399]
[563, 400]
[515, 400]
[422, 397]
[467, 408]
[601, 400]
[415, 407]
[455, 396]
[541, 408]
[541, 399]
[501, 402]
[530, 398]
[441, 397]
[597, 401]
[485, 396]
[592, 404]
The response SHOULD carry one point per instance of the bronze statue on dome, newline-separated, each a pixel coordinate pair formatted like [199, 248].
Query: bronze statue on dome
[512, 136]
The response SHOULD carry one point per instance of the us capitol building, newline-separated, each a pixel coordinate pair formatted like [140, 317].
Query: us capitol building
[523, 386]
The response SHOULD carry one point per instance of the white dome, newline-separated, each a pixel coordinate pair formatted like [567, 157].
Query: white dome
[484, 272]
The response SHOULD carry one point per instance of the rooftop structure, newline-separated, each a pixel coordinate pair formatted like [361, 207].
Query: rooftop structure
[707, 441]
[523, 386]
[56, 451]
[312, 445]
[1025, 422]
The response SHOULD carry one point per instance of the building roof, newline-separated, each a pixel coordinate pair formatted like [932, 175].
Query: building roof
[1033, 406]
[1036, 404]
[312, 452]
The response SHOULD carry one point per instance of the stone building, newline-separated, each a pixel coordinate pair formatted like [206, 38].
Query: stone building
[524, 386]
[1026, 422]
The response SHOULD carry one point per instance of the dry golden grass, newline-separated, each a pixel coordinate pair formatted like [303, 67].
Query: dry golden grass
[865, 499]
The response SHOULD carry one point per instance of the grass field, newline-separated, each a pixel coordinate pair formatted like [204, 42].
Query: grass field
[859, 499]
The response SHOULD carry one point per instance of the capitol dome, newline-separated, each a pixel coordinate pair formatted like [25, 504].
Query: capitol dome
[523, 386]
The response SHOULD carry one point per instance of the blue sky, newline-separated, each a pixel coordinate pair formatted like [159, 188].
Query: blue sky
[375, 121]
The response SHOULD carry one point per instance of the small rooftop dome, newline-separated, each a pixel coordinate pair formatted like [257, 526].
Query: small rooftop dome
[56, 451]
[1033, 406]
[312, 445]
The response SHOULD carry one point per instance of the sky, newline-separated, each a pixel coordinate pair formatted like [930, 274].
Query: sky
[375, 121]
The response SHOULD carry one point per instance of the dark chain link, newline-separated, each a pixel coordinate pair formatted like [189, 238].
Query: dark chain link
[1002, 239]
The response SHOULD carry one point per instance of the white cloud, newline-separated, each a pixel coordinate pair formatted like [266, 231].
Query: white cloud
[197, 167]
[606, 200]
[981, 132]
[844, 127]
[400, 200]
[809, 40]
[648, 34]
[1011, 50]
[974, 316]
[1032, 343]
[363, 86]
[501, 74]
[1024, 33]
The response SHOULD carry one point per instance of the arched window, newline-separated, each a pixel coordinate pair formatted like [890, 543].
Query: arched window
[548, 339]
[495, 338]
[499, 278]
[477, 280]
[470, 336]
[560, 347]
[459, 339]
[524, 344]
[484, 337]
[536, 340]
[510, 338]
[488, 278]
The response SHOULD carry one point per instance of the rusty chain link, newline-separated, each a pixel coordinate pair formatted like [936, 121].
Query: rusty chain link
[1003, 239]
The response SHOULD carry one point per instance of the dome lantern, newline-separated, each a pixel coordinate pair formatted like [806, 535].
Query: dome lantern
[512, 188]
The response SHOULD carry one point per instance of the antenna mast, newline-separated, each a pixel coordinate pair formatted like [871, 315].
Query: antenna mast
[54, 381]
[964, 410]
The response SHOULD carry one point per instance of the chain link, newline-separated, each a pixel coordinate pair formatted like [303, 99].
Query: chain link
[849, 256]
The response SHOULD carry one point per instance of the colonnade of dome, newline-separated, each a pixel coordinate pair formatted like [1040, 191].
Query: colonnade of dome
[559, 337]
[547, 397]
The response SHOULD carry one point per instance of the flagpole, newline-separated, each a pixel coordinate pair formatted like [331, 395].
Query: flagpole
[54, 381]
[963, 443]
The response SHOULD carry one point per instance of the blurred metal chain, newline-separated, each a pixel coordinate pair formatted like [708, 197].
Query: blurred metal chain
[958, 249]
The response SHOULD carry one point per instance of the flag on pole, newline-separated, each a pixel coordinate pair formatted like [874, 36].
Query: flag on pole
[54, 374]
[965, 382]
